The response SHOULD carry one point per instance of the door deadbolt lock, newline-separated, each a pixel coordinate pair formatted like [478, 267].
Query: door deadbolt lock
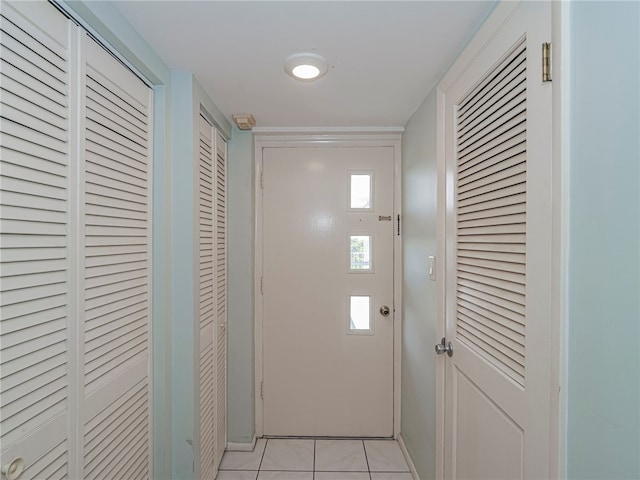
[385, 310]
[444, 347]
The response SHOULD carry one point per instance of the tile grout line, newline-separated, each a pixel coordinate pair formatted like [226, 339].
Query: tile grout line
[264, 452]
[364, 447]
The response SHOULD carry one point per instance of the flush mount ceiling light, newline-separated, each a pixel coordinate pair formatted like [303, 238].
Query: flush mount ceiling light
[305, 66]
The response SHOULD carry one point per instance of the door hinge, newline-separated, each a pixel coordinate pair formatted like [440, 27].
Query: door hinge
[546, 62]
[398, 224]
[262, 179]
[262, 285]
[262, 390]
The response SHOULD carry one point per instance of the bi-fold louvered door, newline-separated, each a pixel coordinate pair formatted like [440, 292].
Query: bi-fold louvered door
[116, 274]
[76, 253]
[207, 313]
[221, 294]
[212, 299]
[36, 260]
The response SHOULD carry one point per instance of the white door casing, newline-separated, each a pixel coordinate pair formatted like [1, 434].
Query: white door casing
[496, 252]
[311, 370]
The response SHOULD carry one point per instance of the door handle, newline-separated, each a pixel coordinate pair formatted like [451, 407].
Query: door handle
[444, 347]
[14, 469]
[385, 310]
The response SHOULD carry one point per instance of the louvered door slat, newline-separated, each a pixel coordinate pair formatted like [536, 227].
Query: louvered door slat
[52, 465]
[506, 161]
[112, 121]
[491, 217]
[39, 66]
[512, 101]
[487, 88]
[487, 317]
[493, 182]
[34, 224]
[115, 432]
[20, 132]
[25, 82]
[500, 89]
[497, 138]
[21, 116]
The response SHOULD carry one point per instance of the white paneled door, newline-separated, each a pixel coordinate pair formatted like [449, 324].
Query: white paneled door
[328, 229]
[76, 254]
[497, 114]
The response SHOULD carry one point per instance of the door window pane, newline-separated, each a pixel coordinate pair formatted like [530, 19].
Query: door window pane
[360, 313]
[360, 191]
[360, 252]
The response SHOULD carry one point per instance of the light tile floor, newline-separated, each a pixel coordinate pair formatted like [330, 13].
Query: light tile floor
[303, 459]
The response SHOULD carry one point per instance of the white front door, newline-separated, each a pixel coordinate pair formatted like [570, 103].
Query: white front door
[498, 400]
[328, 229]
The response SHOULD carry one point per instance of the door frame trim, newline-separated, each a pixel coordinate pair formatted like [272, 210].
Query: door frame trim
[560, 207]
[334, 138]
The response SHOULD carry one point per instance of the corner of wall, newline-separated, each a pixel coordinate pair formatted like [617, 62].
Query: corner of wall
[183, 259]
[419, 207]
[241, 418]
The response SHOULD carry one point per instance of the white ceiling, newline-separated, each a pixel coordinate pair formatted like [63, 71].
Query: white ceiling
[384, 56]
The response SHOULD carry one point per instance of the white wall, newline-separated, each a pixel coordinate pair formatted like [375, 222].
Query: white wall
[419, 292]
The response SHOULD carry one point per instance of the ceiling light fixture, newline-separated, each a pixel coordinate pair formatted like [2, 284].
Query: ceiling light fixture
[305, 66]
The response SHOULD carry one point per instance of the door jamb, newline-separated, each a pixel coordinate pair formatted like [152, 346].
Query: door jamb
[326, 138]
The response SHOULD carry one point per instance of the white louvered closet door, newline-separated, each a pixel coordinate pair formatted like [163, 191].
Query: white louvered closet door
[221, 295]
[115, 277]
[35, 255]
[498, 261]
[207, 383]
[212, 318]
[76, 253]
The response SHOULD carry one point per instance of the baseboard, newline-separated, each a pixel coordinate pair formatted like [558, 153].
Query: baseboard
[407, 457]
[242, 447]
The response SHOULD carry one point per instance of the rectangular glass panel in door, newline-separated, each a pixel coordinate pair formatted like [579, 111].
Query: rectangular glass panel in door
[359, 313]
[360, 253]
[360, 191]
